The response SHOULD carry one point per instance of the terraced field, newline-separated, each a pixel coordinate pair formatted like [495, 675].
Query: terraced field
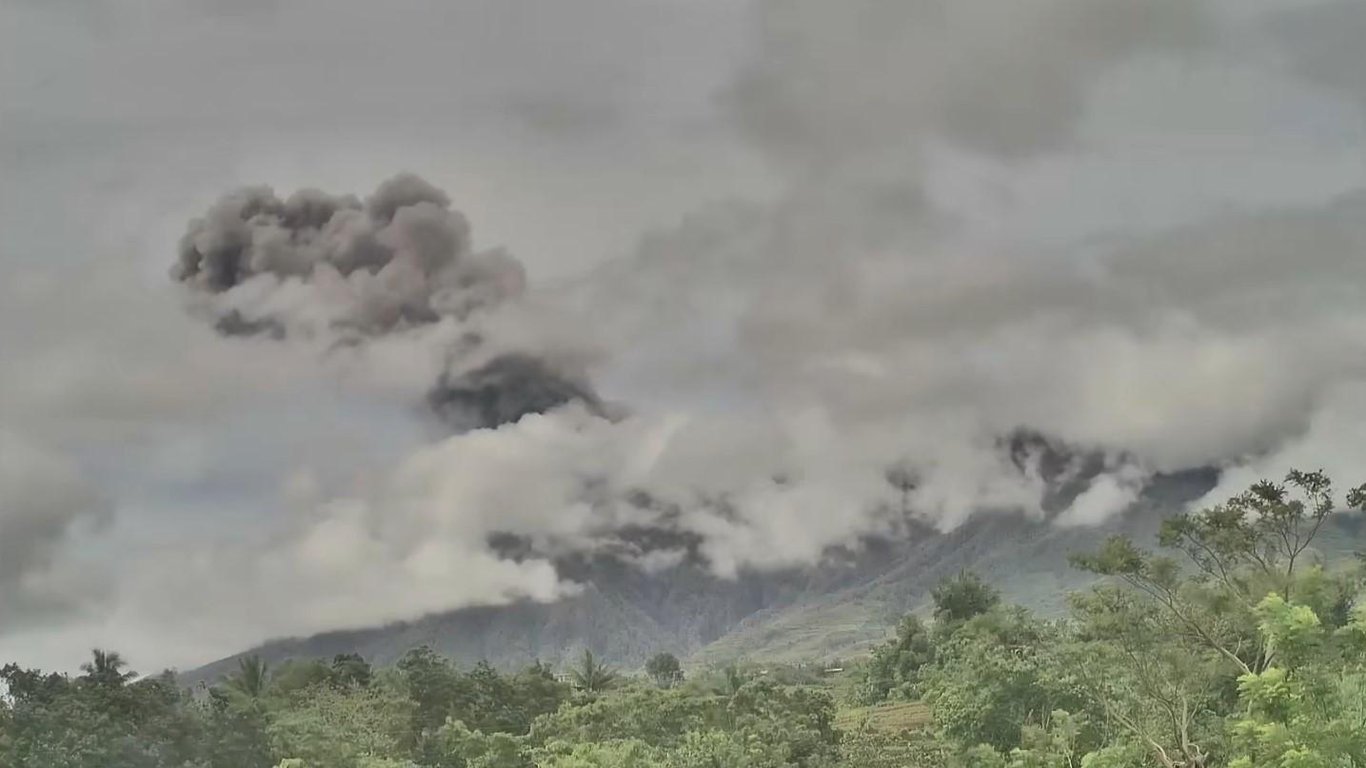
[889, 717]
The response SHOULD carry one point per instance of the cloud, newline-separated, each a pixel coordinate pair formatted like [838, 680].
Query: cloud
[44, 501]
[166, 438]
[1332, 441]
[343, 273]
[96, 352]
[316, 262]
[892, 304]
[780, 358]
[860, 302]
[831, 83]
[1107, 497]
[122, 123]
[1320, 41]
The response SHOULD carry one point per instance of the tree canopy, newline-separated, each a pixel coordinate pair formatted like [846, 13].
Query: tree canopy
[1235, 644]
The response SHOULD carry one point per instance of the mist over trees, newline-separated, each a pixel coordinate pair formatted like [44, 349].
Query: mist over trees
[1234, 643]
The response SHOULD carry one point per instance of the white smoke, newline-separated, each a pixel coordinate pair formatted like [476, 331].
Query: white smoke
[778, 356]
[44, 501]
[780, 359]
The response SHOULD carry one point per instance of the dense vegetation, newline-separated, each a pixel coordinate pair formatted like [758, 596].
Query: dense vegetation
[1233, 646]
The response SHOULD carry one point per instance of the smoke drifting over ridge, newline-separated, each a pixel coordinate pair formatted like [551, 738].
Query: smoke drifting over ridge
[857, 324]
[1121, 225]
[871, 317]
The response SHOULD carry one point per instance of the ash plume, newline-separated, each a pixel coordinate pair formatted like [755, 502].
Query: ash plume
[504, 390]
[917, 266]
[318, 264]
[315, 261]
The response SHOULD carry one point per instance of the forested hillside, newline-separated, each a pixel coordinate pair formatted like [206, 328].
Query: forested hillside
[1235, 643]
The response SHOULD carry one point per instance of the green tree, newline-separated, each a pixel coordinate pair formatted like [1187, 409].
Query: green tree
[459, 747]
[488, 702]
[342, 728]
[796, 721]
[664, 669]
[1001, 671]
[647, 714]
[723, 749]
[234, 732]
[101, 719]
[895, 667]
[732, 680]
[962, 597]
[592, 676]
[611, 754]
[106, 669]
[1167, 638]
[351, 670]
[433, 685]
[299, 674]
[1308, 707]
[251, 679]
[1252, 543]
[537, 692]
[1156, 686]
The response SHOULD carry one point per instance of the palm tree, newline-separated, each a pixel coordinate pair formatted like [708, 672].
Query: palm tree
[592, 677]
[105, 669]
[252, 677]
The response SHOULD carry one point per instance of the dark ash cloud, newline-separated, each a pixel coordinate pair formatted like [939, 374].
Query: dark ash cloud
[504, 390]
[318, 263]
[315, 261]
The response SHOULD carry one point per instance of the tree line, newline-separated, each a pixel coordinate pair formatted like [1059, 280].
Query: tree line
[1233, 644]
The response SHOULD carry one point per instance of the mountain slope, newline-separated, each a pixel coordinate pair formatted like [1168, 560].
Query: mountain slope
[839, 607]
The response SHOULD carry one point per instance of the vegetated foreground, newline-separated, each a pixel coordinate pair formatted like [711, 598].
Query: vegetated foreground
[1233, 645]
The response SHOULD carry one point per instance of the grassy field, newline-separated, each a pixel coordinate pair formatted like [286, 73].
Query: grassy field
[889, 717]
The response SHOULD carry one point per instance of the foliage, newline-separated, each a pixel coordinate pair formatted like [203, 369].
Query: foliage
[99, 719]
[664, 669]
[252, 677]
[647, 714]
[350, 670]
[330, 726]
[894, 670]
[963, 597]
[592, 676]
[1234, 646]
[1309, 707]
[1001, 671]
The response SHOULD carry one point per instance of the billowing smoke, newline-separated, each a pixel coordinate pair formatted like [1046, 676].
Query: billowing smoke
[1007, 80]
[876, 316]
[848, 334]
[1022, 257]
[316, 261]
[43, 500]
[856, 354]
[332, 266]
[503, 391]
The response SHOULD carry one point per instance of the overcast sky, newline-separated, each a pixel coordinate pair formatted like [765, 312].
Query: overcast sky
[792, 239]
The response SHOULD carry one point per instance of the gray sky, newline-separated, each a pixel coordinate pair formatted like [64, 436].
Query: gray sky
[802, 238]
